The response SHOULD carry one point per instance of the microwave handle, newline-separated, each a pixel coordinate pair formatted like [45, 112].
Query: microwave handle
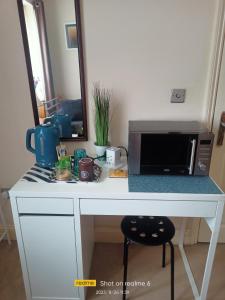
[192, 156]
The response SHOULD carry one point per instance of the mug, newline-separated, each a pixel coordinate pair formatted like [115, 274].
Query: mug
[88, 170]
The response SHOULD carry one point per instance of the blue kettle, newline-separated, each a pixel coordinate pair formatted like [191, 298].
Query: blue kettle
[63, 123]
[46, 138]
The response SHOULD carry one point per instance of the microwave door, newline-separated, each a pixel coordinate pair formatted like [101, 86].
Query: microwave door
[172, 154]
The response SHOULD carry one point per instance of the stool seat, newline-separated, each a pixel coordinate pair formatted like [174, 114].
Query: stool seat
[151, 231]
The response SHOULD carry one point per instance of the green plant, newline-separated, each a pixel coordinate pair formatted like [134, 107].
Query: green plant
[102, 102]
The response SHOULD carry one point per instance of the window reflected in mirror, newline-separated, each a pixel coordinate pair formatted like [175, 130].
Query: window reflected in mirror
[52, 35]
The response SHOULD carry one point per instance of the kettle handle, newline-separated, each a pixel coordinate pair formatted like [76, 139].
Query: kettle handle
[28, 140]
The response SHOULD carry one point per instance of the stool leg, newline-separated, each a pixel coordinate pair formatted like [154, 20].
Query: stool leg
[172, 270]
[124, 249]
[164, 256]
[125, 262]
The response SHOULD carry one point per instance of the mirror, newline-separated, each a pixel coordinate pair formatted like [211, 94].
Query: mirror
[51, 31]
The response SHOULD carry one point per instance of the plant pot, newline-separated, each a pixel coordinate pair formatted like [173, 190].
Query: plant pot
[100, 150]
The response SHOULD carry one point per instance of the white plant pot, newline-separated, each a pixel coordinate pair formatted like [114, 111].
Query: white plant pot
[100, 150]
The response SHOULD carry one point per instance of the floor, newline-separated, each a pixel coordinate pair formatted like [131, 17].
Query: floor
[144, 267]
[11, 283]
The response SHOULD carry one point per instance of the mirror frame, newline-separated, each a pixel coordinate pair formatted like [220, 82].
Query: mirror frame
[81, 66]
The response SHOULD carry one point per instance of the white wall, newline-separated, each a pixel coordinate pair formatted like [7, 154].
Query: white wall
[139, 49]
[15, 108]
[65, 64]
[15, 105]
[142, 49]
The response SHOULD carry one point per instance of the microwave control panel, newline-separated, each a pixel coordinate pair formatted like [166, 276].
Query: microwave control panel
[204, 153]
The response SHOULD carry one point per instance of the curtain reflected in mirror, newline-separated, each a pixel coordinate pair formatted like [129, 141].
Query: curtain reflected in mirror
[52, 36]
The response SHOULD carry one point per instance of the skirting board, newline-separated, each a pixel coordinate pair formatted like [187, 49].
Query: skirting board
[204, 233]
[107, 234]
[11, 230]
[114, 235]
[108, 231]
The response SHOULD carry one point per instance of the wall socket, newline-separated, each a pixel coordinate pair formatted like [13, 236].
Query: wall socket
[178, 96]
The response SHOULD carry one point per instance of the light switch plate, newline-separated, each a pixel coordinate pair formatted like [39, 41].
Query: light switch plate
[178, 96]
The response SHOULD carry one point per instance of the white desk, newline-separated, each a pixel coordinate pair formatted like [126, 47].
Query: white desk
[108, 197]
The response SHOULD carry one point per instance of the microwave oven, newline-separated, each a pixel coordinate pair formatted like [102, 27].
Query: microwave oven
[169, 147]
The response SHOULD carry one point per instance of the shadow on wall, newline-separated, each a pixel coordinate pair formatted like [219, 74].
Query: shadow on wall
[119, 121]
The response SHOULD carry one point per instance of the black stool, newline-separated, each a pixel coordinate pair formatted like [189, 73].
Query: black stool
[150, 231]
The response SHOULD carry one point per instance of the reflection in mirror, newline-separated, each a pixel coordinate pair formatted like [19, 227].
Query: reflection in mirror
[55, 51]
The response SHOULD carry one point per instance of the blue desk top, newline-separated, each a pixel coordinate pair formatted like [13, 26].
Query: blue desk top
[172, 184]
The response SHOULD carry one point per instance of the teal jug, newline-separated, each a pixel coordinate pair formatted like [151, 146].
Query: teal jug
[63, 123]
[46, 138]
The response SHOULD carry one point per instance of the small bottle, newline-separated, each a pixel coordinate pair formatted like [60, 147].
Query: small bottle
[78, 154]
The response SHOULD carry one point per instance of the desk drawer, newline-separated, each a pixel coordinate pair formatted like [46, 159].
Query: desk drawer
[57, 206]
[173, 208]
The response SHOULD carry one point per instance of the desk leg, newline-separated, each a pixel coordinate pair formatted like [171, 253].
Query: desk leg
[212, 249]
[185, 260]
